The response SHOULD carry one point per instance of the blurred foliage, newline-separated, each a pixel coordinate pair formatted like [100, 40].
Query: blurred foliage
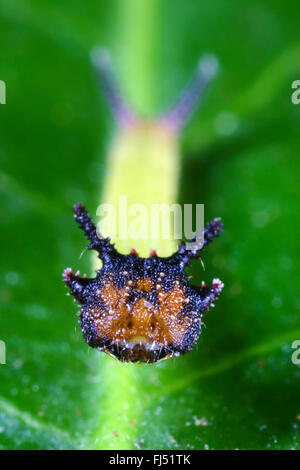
[239, 388]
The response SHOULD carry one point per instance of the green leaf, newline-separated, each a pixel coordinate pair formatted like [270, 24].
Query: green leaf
[239, 387]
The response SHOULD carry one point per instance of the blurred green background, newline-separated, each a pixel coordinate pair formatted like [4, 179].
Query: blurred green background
[239, 387]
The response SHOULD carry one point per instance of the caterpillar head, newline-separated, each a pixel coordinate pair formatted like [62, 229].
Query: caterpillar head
[140, 309]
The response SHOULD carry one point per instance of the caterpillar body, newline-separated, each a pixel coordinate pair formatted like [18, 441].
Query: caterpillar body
[139, 308]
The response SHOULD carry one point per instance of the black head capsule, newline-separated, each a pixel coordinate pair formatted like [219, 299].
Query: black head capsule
[140, 309]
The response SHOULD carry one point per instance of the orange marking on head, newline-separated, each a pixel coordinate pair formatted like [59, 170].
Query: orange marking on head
[144, 284]
[141, 321]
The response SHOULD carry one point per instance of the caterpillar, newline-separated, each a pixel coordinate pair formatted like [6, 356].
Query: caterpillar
[143, 308]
